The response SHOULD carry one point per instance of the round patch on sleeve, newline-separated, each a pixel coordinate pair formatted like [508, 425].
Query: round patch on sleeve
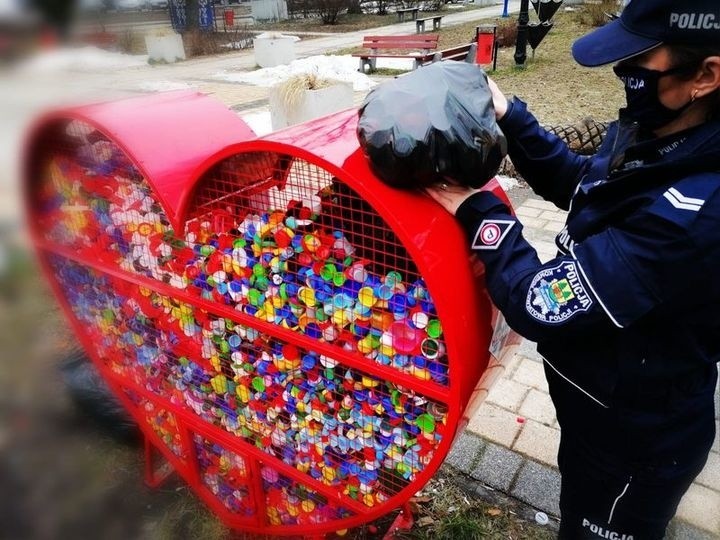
[557, 293]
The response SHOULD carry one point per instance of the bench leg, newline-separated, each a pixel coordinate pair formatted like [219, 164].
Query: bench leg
[420, 26]
[436, 25]
[367, 65]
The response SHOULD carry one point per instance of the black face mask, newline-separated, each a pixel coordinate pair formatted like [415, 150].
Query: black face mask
[641, 93]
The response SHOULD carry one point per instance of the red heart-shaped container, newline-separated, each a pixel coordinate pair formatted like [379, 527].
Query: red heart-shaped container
[301, 342]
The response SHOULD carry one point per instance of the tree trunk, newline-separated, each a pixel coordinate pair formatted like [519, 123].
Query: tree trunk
[354, 7]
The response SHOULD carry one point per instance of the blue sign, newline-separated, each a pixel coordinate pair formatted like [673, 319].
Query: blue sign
[178, 15]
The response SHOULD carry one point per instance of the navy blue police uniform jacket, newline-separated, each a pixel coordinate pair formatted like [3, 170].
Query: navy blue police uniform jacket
[627, 315]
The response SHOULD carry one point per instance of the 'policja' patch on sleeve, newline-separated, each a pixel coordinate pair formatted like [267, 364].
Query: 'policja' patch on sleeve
[491, 233]
[557, 293]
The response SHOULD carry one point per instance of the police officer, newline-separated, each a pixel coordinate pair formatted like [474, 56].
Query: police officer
[627, 316]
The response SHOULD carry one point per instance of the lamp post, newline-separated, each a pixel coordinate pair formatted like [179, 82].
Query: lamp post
[505, 9]
[521, 43]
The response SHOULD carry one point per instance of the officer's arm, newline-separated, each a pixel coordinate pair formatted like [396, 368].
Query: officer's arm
[593, 286]
[543, 159]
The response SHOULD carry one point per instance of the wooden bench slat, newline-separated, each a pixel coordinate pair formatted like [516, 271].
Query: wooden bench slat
[428, 37]
[403, 45]
[370, 55]
[454, 53]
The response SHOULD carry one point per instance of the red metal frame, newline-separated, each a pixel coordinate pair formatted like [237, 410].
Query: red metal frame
[178, 142]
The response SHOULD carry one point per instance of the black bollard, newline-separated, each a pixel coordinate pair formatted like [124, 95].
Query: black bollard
[521, 43]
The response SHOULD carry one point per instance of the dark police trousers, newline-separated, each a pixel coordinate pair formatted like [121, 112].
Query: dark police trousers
[607, 494]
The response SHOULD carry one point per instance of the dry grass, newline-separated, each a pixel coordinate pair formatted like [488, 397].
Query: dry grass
[557, 89]
[292, 91]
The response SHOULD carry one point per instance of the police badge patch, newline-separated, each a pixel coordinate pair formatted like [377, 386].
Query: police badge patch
[491, 233]
[556, 294]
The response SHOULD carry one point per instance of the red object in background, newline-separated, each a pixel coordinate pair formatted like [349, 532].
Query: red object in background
[485, 45]
[301, 342]
[229, 15]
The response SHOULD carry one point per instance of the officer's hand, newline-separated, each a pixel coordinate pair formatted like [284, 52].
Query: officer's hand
[500, 102]
[450, 196]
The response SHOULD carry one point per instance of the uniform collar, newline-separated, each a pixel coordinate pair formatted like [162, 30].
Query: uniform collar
[697, 147]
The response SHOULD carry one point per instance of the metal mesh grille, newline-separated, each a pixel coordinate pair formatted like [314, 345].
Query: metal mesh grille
[309, 410]
[161, 421]
[225, 474]
[291, 503]
[269, 239]
[295, 246]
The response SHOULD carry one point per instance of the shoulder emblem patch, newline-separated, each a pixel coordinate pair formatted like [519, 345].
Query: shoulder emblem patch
[556, 294]
[681, 202]
[491, 233]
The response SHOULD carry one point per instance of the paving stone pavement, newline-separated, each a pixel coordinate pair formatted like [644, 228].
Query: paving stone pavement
[515, 435]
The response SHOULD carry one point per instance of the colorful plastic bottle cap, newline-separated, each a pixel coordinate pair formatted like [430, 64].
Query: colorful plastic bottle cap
[342, 301]
[366, 297]
[328, 272]
[339, 279]
[393, 278]
[434, 329]
[426, 423]
[308, 362]
[430, 348]
[258, 384]
[327, 362]
[404, 339]
[358, 273]
[311, 242]
[330, 333]
[307, 296]
[365, 345]
[419, 320]
[384, 292]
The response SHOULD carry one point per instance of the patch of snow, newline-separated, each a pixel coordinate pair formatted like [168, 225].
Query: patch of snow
[242, 44]
[259, 122]
[395, 63]
[506, 182]
[83, 59]
[341, 68]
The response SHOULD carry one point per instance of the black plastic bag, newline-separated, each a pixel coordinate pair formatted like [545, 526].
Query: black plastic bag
[434, 124]
[95, 400]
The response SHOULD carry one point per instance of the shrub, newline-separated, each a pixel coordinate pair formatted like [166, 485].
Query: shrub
[597, 13]
[507, 32]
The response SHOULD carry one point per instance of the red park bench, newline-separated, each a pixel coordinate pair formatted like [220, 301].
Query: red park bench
[383, 47]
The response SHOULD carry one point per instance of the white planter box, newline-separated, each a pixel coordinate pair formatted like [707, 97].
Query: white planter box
[165, 47]
[316, 103]
[274, 51]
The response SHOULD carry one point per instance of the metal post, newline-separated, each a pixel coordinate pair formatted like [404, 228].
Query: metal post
[521, 44]
[505, 9]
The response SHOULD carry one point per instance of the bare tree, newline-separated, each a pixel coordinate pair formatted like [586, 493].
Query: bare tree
[329, 10]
